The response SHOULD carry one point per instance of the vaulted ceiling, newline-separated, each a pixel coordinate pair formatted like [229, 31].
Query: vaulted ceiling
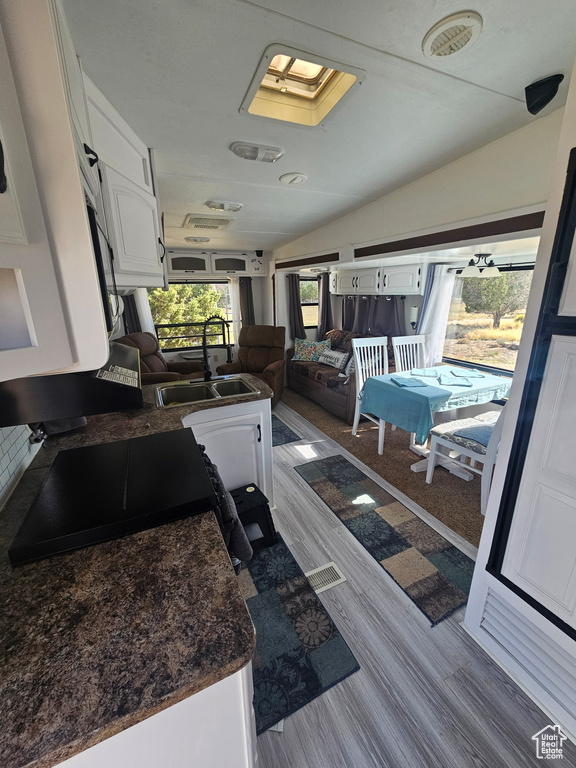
[178, 70]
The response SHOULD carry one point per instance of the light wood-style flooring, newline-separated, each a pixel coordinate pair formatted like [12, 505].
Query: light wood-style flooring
[424, 697]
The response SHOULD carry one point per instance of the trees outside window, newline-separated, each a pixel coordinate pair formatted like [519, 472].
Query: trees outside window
[486, 318]
[309, 301]
[187, 303]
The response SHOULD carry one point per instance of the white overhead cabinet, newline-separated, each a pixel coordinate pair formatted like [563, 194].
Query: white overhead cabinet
[184, 264]
[51, 312]
[133, 231]
[393, 280]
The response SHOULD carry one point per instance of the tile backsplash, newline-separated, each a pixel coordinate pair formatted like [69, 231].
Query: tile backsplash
[15, 453]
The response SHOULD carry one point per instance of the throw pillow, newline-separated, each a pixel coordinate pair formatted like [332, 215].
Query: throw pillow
[309, 351]
[334, 357]
[350, 367]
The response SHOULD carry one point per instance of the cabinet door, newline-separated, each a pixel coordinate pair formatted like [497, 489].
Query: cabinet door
[75, 96]
[333, 282]
[238, 439]
[347, 282]
[230, 263]
[368, 281]
[402, 279]
[181, 264]
[133, 229]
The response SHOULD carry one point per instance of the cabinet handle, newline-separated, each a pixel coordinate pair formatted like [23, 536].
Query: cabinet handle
[163, 250]
[259, 434]
[3, 180]
[384, 283]
[92, 156]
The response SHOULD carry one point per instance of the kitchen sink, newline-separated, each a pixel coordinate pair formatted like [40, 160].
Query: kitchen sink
[182, 392]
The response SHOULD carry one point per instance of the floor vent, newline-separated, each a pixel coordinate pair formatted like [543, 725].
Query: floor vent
[325, 577]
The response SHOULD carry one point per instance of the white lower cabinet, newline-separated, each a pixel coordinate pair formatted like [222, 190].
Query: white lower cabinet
[214, 728]
[238, 439]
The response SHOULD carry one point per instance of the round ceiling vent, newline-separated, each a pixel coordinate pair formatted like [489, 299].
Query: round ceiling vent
[293, 178]
[452, 34]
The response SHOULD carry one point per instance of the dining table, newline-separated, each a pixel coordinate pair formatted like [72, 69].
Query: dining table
[410, 399]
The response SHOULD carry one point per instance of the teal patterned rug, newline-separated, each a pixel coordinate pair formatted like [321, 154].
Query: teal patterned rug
[282, 434]
[300, 653]
[431, 571]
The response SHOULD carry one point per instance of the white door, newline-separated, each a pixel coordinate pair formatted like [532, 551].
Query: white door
[347, 281]
[132, 221]
[368, 281]
[401, 279]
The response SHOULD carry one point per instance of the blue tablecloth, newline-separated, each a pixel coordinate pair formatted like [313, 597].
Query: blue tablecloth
[412, 408]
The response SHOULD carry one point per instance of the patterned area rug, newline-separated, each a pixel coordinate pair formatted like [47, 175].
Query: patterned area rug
[299, 652]
[281, 434]
[430, 570]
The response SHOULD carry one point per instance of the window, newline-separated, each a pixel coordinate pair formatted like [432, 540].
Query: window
[486, 318]
[182, 310]
[309, 301]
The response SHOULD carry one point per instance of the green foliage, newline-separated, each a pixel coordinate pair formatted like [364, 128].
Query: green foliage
[308, 291]
[497, 296]
[185, 303]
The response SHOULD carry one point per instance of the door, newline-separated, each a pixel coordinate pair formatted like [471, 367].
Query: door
[368, 281]
[181, 264]
[533, 550]
[401, 279]
[347, 282]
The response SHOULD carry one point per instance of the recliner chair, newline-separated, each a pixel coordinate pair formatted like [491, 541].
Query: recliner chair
[260, 353]
[154, 367]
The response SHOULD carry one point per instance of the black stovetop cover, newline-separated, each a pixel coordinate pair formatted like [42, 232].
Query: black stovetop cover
[102, 492]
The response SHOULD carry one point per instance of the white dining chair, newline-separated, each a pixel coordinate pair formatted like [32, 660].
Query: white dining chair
[408, 352]
[370, 359]
[444, 435]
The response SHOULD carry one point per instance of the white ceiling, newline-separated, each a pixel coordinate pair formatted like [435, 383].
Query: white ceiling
[178, 70]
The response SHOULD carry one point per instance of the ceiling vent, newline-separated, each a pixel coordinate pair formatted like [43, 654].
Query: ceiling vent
[211, 223]
[452, 35]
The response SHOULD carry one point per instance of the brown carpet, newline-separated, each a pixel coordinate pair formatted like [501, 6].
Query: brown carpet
[450, 499]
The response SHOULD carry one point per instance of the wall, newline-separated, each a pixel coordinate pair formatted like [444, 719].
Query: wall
[15, 454]
[510, 174]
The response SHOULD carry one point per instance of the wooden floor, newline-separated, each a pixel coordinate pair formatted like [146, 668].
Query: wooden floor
[424, 697]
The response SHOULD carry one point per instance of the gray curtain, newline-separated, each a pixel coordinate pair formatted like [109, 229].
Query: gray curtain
[325, 321]
[247, 316]
[374, 315]
[295, 308]
[430, 274]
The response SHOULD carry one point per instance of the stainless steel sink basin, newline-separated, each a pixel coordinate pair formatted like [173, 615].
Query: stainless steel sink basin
[182, 392]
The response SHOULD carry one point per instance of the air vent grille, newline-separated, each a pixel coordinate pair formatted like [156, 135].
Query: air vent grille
[452, 35]
[212, 223]
[325, 577]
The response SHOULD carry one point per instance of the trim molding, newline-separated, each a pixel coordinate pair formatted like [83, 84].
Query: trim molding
[521, 223]
[326, 258]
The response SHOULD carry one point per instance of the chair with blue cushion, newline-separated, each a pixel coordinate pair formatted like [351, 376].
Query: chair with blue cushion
[477, 439]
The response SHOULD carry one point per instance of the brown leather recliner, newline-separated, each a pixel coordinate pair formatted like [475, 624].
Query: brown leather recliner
[154, 367]
[260, 353]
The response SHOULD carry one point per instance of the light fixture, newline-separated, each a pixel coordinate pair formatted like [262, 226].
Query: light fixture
[489, 269]
[197, 239]
[223, 206]
[259, 152]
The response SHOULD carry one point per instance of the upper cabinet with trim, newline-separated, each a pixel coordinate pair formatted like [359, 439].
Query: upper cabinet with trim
[51, 313]
[189, 265]
[131, 211]
[402, 279]
[392, 280]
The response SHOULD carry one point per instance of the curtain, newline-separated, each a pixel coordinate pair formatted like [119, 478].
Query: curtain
[246, 301]
[295, 308]
[430, 274]
[325, 321]
[434, 319]
[131, 319]
[374, 315]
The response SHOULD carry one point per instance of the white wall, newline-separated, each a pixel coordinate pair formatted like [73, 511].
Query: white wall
[507, 175]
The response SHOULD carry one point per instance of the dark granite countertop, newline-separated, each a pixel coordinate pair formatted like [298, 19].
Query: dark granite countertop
[99, 639]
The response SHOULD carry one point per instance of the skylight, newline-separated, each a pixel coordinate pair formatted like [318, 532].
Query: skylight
[298, 87]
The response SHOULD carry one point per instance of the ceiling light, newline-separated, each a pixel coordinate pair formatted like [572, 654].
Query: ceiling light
[293, 178]
[451, 35]
[223, 206]
[259, 152]
[197, 239]
[472, 270]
